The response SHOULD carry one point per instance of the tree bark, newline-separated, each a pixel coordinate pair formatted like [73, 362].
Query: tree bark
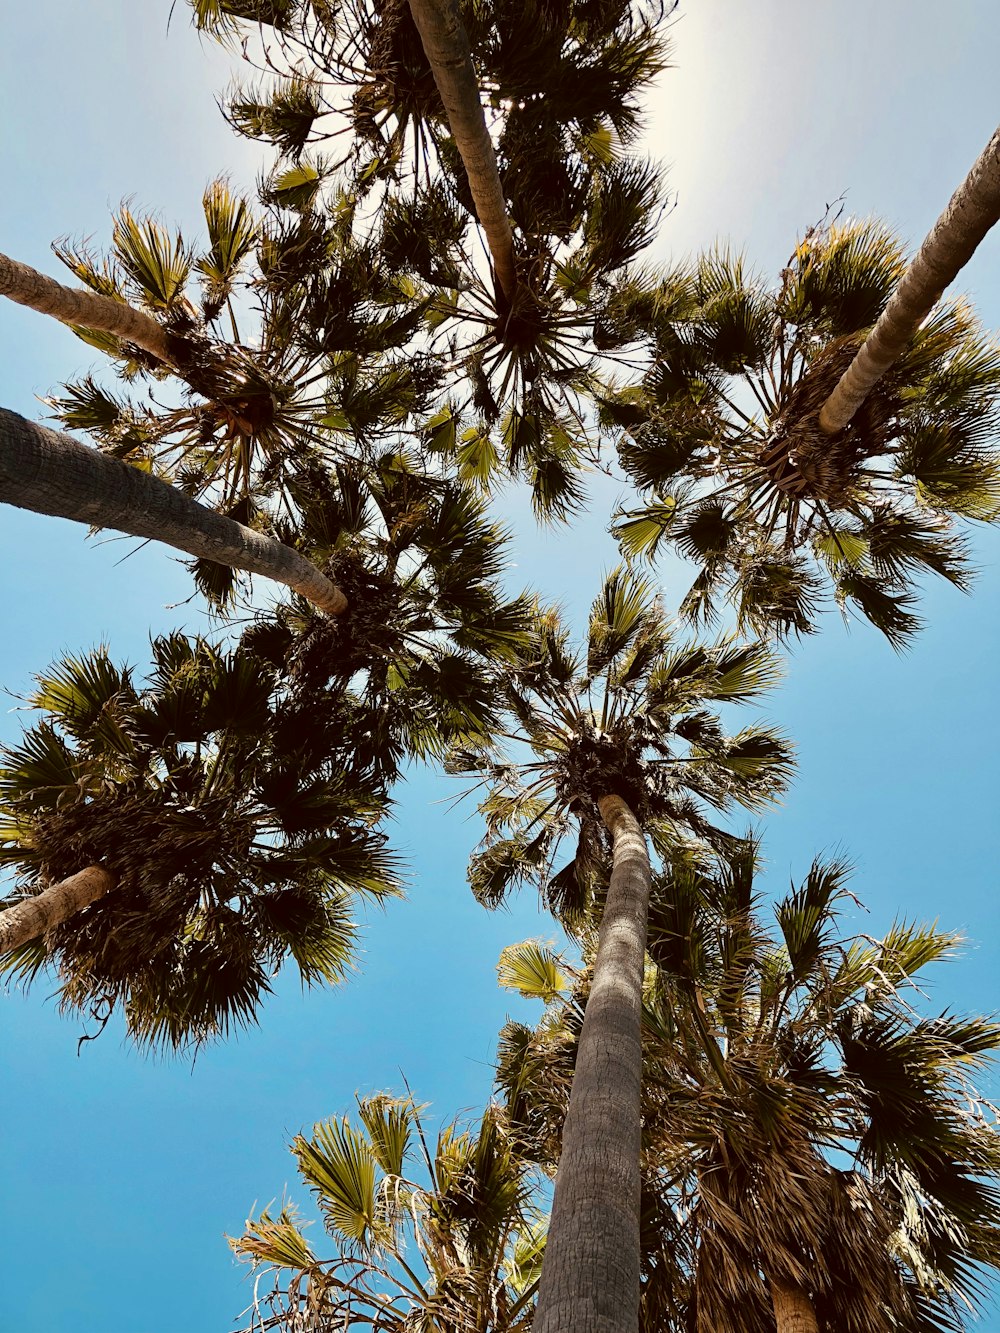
[49, 472]
[446, 46]
[972, 211]
[53, 906]
[76, 305]
[590, 1271]
[793, 1310]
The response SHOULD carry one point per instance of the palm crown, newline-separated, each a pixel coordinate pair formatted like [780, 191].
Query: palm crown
[445, 1238]
[561, 82]
[629, 717]
[804, 1126]
[323, 316]
[238, 828]
[723, 435]
[420, 563]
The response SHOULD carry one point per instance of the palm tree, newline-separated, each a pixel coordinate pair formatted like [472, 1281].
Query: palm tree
[49, 472]
[622, 746]
[815, 1155]
[562, 84]
[972, 211]
[222, 830]
[722, 437]
[449, 1240]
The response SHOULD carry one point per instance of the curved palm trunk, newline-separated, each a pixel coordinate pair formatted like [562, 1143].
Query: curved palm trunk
[793, 1310]
[76, 305]
[972, 211]
[53, 906]
[446, 47]
[50, 473]
[590, 1272]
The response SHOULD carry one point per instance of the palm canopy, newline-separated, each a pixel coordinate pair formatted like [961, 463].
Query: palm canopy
[420, 563]
[239, 830]
[446, 1238]
[563, 84]
[317, 362]
[723, 439]
[804, 1123]
[630, 716]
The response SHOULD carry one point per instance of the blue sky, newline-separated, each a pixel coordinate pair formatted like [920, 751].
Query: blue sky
[121, 1174]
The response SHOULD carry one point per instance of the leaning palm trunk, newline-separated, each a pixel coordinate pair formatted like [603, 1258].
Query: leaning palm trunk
[972, 211]
[793, 1310]
[53, 906]
[75, 305]
[590, 1274]
[51, 473]
[446, 47]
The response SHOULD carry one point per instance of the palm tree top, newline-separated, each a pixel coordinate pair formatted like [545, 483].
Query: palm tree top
[723, 436]
[441, 1233]
[239, 832]
[629, 715]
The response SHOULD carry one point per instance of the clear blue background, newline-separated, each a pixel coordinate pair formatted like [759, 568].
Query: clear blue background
[119, 1175]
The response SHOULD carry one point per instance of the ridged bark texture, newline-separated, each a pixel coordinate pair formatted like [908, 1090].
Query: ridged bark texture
[793, 1310]
[446, 46]
[973, 210]
[52, 906]
[76, 305]
[590, 1272]
[48, 472]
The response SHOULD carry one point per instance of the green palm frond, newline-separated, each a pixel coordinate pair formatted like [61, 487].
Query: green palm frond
[159, 265]
[340, 1167]
[232, 235]
[533, 970]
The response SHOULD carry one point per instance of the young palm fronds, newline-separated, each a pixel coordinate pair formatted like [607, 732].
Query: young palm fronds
[724, 437]
[446, 1238]
[814, 1146]
[237, 834]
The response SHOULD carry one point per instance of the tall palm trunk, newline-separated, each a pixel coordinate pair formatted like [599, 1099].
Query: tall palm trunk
[446, 46]
[972, 211]
[590, 1272]
[53, 906]
[76, 305]
[793, 1310]
[51, 473]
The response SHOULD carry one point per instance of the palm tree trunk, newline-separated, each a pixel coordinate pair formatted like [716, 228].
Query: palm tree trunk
[53, 906]
[446, 46]
[590, 1272]
[972, 211]
[50, 473]
[793, 1310]
[76, 305]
